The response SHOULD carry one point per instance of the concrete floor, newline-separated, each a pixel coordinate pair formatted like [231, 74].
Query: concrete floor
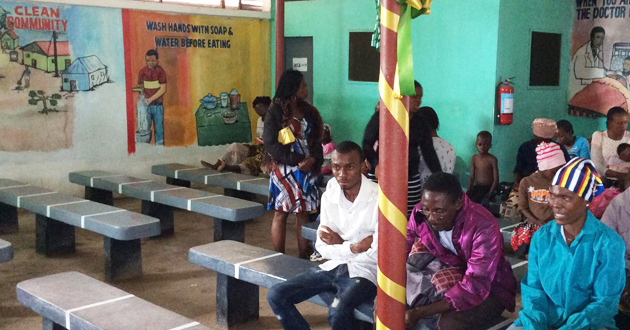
[169, 280]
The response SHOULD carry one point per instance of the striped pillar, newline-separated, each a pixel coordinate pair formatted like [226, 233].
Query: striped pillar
[393, 160]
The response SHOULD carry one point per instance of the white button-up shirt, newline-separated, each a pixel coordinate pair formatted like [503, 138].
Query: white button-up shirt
[352, 224]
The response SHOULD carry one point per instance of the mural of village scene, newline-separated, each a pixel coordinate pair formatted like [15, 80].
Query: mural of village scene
[40, 76]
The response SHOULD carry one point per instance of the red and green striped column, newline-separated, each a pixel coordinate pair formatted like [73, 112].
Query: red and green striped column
[393, 160]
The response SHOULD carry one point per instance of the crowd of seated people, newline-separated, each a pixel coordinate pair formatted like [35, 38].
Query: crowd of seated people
[457, 274]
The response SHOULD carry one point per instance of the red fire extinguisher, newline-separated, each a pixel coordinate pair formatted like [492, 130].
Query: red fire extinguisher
[505, 98]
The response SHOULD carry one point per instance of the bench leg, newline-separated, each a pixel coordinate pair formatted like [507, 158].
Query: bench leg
[239, 194]
[99, 195]
[237, 301]
[53, 237]
[229, 230]
[123, 259]
[162, 212]
[178, 182]
[50, 325]
[8, 219]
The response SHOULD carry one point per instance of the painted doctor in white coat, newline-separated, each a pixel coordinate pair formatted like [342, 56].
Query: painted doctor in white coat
[588, 62]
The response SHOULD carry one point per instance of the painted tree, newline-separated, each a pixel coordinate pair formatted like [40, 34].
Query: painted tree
[3, 18]
[40, 96]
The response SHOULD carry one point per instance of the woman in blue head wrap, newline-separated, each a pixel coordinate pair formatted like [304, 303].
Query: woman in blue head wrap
[576, 274]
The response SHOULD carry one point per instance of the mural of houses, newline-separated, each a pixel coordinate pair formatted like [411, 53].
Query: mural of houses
[9, 40]
[41, 55]
[84, 74]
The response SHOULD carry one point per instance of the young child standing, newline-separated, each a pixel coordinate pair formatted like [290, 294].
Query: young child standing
[484, 172]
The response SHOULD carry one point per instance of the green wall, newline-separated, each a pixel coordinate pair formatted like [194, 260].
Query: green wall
[517, 20]
[460, 54]
[346, 106]
[458, 86]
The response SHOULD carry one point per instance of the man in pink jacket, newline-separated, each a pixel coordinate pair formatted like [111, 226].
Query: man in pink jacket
[461, 234]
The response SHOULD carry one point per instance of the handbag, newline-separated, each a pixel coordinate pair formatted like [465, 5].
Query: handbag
[285, 136]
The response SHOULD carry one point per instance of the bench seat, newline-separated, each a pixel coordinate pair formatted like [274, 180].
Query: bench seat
[158, 200]
[6, 251]
[208, 176]
[76, 301]
[103, 219]
[58, 214]
[233, 184]
[309, 231]
[241, 267]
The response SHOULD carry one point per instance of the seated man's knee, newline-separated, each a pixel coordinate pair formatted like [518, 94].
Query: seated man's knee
[276, 296]
[338, 309]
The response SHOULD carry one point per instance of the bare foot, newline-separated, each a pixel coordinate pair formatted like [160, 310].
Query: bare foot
[208, 165]
[221, 165]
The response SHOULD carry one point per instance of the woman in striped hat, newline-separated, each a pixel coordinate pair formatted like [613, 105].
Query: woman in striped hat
[575, 275]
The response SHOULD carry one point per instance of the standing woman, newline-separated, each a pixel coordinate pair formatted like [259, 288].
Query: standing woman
[293, 139]
[575, 275]
[604, 143]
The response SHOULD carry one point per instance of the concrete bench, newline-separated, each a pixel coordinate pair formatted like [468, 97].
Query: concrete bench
[75, 301]
[159, 200]
[233, 184]
[309, 231]
[242, 268]
[57, 215]
[6, 251]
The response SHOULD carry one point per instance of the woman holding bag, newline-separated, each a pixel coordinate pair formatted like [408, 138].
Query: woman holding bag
[292, 137]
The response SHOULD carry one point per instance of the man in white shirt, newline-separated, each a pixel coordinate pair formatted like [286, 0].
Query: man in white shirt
[347, 237]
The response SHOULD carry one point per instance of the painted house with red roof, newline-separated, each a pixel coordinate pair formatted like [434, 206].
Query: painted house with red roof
[9, 40]
[41, 55]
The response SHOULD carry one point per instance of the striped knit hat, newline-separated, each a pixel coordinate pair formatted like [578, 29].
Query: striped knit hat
[580, 176]
[549, 156]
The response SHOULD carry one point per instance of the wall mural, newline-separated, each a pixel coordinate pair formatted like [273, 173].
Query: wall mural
[192, 79]
[599, 76]
[187, 80]
[45, 60]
